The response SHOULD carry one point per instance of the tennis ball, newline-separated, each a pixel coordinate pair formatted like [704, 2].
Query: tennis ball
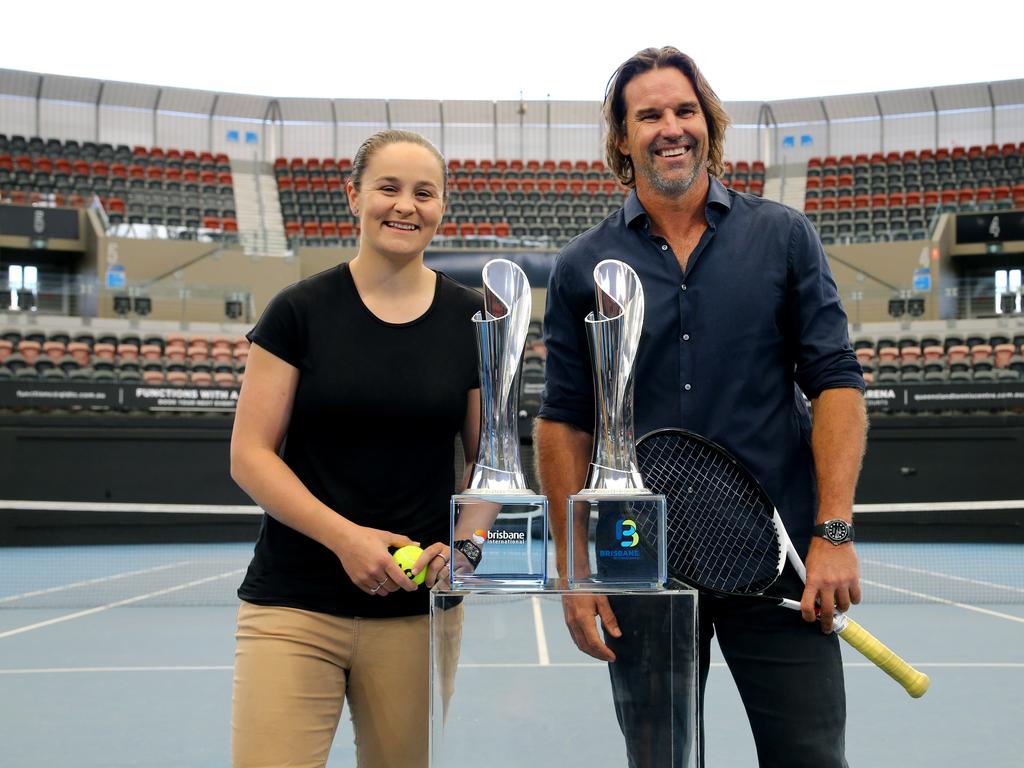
[406, 557]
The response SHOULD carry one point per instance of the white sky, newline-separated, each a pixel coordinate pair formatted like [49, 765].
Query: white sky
[455, 49]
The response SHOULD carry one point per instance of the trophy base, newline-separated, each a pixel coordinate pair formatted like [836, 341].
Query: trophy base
[625, 541]
[511, 532]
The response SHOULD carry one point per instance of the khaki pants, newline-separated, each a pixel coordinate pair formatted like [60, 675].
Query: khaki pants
[294, 669]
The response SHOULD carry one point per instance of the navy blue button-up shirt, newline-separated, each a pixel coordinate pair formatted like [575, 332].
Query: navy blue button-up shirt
[725, 345]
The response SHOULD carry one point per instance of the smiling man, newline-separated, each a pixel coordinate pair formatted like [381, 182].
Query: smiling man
[742, 314]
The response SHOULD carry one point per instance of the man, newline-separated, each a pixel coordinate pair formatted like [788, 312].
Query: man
[741, 310]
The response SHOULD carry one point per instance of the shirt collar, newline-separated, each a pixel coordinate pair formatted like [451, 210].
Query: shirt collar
[718, 198]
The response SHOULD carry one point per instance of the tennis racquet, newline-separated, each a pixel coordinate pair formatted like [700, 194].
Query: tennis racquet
[725, 537]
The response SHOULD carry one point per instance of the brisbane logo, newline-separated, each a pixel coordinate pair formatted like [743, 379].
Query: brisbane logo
[625, 533]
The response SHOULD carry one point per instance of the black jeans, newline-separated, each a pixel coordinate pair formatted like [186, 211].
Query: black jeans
[789, 676]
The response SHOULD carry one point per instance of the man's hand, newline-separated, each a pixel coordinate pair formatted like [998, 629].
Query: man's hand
[580, 611]
[833, 579]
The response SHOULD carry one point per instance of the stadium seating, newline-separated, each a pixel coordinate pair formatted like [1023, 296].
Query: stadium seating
[171, 358]
[491, 202]
[153, 186]
[932, 358]
[895, 196]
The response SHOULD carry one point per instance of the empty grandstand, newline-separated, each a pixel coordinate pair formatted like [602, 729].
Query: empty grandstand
[143, 229]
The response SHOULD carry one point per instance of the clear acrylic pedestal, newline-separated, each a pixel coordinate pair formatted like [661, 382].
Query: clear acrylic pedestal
[511, 530]
[510, 689]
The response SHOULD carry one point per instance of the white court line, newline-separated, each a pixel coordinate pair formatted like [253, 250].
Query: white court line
[949, 577]
[117, 604]
[944, 601]
[246, 509]
[102, 506]
[509, 665]
[76, 584]
[542, 641]
[938, 506]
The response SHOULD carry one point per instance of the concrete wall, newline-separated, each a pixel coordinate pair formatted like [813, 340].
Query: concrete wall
[857, 269]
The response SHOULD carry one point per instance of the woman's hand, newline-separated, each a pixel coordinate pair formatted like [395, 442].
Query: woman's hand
[435, 559]
[365, 557]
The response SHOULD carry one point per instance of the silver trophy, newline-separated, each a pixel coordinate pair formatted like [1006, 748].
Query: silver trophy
[626, 519]
[499, 525]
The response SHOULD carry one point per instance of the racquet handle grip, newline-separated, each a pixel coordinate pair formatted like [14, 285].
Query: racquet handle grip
[874, 650]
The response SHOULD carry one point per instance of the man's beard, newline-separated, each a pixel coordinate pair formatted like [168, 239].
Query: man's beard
[674, 187]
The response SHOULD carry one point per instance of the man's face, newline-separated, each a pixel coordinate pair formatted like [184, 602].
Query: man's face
[666, 132]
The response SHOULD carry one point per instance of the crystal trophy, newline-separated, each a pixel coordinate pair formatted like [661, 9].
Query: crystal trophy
[616, 527]
[498, 525]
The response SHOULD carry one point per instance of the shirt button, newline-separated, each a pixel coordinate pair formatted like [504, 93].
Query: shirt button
[686, 337]
[664, 247]
[686, 387]
[683, 286]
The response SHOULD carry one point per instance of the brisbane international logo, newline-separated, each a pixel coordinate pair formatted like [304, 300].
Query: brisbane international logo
[626, 534]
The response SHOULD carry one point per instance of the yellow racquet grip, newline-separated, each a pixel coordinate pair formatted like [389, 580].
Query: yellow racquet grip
[874, 650]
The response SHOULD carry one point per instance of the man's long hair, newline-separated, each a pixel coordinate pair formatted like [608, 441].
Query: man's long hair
[615, 108]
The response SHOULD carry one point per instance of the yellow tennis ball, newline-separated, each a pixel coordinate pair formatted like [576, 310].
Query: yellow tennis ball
[406, 557]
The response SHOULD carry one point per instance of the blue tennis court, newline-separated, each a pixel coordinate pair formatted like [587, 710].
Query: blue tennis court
[121, 656]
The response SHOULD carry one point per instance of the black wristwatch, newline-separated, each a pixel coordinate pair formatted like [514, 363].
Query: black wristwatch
[470, 550]
[835, 531]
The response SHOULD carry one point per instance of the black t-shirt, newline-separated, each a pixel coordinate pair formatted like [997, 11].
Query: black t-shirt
[372, 431]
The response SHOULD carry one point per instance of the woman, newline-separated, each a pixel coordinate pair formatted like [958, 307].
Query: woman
[365, 373]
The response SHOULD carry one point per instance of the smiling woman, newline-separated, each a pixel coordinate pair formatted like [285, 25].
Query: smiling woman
[358, 381]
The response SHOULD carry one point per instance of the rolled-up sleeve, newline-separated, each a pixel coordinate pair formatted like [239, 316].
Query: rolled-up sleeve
[568, 385]
[818, 332]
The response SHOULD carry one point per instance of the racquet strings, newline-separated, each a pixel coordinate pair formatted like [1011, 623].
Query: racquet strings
[720, 533]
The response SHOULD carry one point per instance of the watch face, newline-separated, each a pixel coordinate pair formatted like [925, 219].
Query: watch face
[837, 530]
[471, 551]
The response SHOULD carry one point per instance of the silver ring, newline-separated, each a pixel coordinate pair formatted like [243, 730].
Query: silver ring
[386, 580]
[376, 589]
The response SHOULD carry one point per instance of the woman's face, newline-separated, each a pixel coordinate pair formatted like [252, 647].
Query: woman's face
[400, 201]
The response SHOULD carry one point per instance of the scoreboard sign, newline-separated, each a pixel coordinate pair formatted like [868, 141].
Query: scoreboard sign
[989, 227]
[39, 223]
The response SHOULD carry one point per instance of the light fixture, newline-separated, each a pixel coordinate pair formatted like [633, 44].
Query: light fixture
[1007, 302]
[232, 308]
[27, 300]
